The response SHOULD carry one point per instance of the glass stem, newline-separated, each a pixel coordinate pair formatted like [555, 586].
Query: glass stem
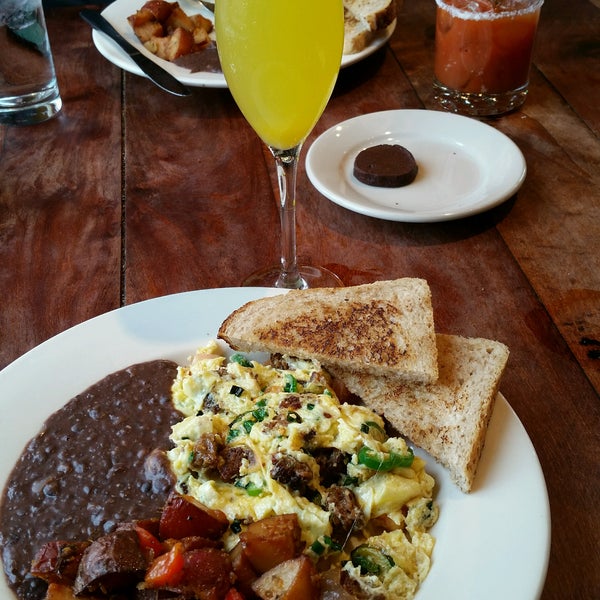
[286, 162]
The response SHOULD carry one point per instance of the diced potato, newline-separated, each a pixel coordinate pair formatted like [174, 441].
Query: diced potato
[271, 541]
[293, 579]
[149, 30]
[56, 591]
[159, 9]
[141, 17]
[200, 36]
[244, 572]
[184, 516]
[167, 31]
[173, 46]
[201, 22]
[178, 19]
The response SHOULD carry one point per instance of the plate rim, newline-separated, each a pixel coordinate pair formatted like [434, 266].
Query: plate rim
[115, 55]
[318, 149]
[157, 328]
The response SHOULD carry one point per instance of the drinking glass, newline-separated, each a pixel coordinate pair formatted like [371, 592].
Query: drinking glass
[28, 89]
[280, 59]
[483, 54]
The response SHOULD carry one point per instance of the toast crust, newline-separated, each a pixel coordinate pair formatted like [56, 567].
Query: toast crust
[363, 19]
[384, 328]
[448, 418]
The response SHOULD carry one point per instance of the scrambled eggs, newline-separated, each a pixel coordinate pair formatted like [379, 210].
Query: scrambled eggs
[286, 443]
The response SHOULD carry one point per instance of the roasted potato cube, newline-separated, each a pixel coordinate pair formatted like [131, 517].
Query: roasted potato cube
[244, 572]
[202, 23]
[271, 541]
[178, 19]
[149, 30]
[160, 9]
[141, 17]
[184, 516]
[201, 37]
[172, 46]
[167, 31]
[56, 591]
[294, 579]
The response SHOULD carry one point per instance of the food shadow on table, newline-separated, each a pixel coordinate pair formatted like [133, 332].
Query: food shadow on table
[368, 229]
[355, 75]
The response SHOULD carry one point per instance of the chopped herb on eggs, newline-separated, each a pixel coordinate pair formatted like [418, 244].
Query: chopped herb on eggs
[259, 440]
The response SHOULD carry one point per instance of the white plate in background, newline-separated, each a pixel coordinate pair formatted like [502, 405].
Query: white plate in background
[117, 13]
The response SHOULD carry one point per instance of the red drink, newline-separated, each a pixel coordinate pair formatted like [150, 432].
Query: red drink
[483, 53]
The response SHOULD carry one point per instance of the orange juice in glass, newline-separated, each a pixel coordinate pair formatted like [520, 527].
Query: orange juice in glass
[483, 54]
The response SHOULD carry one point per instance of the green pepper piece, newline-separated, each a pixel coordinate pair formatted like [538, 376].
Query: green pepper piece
[240, 359]
[368, 425]
[251, 488]
[370, 560]
[373, 460]
[260, 413]
[291, 383]
[332, 545]
[232, 434]
[293, 417]
[317, 547]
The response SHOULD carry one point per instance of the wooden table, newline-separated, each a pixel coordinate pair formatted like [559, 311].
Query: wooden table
[132, 193]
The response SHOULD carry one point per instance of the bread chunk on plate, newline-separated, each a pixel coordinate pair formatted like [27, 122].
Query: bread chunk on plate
[384, 328]
[365, 18]
[357, 34]
[448, 418]
[376, 14]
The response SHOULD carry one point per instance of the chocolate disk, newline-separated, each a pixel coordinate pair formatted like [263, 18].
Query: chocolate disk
[385, 165]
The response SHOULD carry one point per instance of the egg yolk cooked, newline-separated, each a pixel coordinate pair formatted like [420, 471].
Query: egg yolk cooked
[270, 439]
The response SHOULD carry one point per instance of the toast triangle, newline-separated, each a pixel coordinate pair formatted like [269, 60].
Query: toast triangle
[386, 328]
[448, 418]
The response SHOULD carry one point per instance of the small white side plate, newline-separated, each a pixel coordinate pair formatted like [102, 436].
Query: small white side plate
[465, 166]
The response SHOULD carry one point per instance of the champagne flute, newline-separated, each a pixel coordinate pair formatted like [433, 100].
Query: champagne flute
[280, 59]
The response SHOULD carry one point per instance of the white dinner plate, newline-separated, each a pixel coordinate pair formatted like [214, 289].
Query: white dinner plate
[465, 166]
[492, 543]
[117, 13]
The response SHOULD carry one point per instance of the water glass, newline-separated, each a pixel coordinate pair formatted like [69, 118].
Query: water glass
[28, 89]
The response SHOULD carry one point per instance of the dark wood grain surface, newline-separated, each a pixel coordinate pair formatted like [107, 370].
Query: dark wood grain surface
[132, 193]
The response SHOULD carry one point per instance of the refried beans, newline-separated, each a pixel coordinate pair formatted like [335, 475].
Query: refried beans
[96, 462]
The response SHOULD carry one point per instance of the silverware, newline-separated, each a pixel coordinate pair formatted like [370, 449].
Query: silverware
[163, 79]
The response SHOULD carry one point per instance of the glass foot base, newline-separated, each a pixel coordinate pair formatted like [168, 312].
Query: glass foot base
[477, 104]
[310, 277]
[31, 109]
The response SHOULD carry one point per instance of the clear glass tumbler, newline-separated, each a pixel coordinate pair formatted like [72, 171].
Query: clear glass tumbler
[28, 89]
[483, 54]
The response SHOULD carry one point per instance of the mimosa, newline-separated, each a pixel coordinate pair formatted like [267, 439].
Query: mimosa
[280, 59]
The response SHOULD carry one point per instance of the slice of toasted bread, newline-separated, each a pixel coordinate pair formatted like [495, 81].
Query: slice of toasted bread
[357, 34]
[376, 14]
[385, 328]
[449, 418]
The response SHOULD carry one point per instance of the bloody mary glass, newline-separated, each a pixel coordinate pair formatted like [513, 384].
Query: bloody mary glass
[483, 54]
